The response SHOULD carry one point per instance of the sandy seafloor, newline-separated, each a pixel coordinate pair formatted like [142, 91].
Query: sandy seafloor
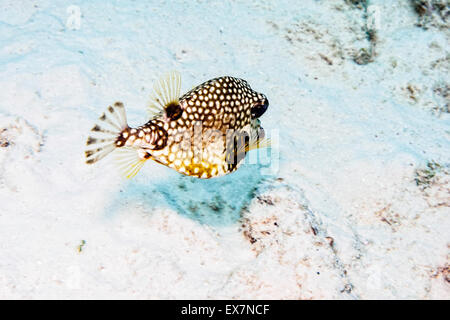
[358, 207]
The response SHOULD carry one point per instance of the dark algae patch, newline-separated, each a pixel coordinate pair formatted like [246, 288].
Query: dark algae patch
[432, 13]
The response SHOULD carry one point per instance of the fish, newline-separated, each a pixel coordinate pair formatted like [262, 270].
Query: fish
[204, 133]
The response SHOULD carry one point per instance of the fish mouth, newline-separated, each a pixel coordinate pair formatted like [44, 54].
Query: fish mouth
[260, 108]
[258, 129]
[261, 133]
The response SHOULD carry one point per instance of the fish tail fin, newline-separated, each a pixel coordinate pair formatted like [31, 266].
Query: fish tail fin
[105, 136]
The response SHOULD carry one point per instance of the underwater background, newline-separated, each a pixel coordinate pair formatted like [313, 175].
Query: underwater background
[353, 204]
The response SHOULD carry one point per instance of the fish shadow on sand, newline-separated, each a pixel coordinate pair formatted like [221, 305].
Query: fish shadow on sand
[214, 202]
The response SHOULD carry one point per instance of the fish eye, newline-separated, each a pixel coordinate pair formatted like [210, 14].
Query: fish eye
[259, 108]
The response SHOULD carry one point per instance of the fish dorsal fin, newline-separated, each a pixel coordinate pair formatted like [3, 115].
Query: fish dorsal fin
[128, 161]
[166, 92]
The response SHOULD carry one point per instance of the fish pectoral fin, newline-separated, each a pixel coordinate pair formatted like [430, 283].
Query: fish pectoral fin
[240, 144]
[166, 93]
[129, 161]
[258, 144]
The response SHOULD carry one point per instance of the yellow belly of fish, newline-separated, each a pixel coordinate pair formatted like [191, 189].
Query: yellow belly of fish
[204, 163]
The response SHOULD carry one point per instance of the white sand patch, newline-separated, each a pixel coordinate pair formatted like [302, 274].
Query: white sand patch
[344, 217]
